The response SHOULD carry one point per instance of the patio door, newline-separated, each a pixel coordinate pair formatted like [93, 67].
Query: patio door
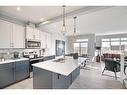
[81, 47]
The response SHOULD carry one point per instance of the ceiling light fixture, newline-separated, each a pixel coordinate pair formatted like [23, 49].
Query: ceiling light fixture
[64, 26]
[18, 9]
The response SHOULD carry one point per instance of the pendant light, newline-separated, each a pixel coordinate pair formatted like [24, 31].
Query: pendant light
[74, 34]
[64, 26]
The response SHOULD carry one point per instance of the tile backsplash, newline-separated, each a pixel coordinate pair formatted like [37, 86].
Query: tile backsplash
[8, 53]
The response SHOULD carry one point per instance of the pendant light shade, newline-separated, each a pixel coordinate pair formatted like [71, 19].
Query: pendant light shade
[63, 26]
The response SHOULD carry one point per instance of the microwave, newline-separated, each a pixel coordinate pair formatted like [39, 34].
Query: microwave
[33, 44]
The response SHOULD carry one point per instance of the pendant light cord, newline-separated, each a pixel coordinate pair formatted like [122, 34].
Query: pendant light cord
[75, 24]
[64, 15]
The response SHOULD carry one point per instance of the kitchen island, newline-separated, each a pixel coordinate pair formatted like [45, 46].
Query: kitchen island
[55, 74]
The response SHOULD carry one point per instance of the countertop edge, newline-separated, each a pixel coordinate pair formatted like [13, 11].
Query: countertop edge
[15, 60]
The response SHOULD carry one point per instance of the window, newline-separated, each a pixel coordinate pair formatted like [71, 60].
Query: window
[81, 40]
[117, 43]
[76, 47]
[81, 46]
[123, 39]
[124, 43]
[84, 48]
[115, 39]
[105, 46]
[113, 44]
[105, 39]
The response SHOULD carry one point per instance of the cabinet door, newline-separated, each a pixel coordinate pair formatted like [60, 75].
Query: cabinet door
[18, 36]
[48, 44]
[36, 34]
[60, 81]
[29, 32]
[21, 70]
[43, 39]
[6, 74]
[5, 34]
[75, 73]
[48, 40]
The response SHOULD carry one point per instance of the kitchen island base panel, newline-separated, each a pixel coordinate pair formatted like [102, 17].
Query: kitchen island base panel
[41, 78]
[44, 79]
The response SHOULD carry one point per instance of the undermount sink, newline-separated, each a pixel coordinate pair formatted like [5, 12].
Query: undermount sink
[59, 60]
[15, 58]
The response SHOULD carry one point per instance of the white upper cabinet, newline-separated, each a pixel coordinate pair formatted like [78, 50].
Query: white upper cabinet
[36, 34]
[11, 35]
[29, 32]
[5, 34]
[18, 36]
[49, 44]
[48, 40]
[32, 33]
[43, 39]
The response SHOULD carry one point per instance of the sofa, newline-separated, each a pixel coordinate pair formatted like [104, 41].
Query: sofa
[110, 55]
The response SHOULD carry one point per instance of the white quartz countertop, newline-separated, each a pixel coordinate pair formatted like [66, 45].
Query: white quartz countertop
[13, 60]
[61, 68]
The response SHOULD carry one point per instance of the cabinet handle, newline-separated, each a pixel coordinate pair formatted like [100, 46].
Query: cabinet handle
[58, 76]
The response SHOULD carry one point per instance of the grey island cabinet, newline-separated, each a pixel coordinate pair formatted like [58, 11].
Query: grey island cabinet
[12, 71]
[55, 75]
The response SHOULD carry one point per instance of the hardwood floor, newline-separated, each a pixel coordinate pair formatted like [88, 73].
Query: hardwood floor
[93, 79]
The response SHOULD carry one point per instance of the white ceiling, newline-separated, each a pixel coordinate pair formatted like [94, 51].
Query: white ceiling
[111, 20]
[35, 13]
[108, 21]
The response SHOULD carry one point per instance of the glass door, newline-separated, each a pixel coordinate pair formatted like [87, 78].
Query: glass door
[81, 48]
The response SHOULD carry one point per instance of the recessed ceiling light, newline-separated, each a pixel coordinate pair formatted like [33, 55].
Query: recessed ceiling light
[18, 9]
